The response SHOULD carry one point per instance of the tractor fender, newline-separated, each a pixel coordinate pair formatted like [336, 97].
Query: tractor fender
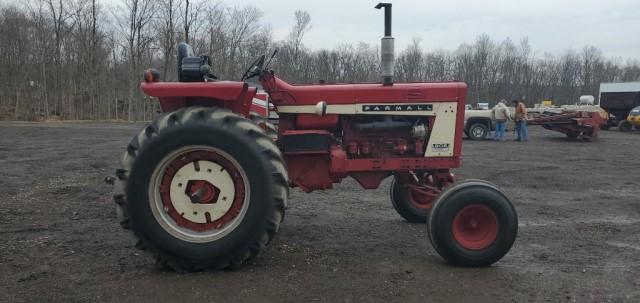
[172, 96]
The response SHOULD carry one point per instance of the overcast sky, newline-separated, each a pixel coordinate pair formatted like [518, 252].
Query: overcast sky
[552, 26]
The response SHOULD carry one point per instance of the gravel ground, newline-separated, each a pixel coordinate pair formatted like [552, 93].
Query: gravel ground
[579, 239]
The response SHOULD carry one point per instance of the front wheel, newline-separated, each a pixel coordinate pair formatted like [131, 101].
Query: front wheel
[414, 200]
[572, 135]
[412, 204]
[478, 131]
[202, 189]
[472, 224]
[625, 126]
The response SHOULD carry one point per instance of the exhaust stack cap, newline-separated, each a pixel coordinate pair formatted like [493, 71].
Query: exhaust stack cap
[387, 17]
[386, 46]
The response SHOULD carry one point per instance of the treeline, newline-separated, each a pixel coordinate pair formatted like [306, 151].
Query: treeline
[83, 59]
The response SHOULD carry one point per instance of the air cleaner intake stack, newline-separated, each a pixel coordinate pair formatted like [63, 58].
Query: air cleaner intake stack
[386, 46]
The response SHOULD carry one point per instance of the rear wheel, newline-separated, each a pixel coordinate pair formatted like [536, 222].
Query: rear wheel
[472, 224]
[268, 127]
[478, 131]
[202, 189]
[624, 126]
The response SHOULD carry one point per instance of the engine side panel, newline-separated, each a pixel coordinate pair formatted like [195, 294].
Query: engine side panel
[371, 140]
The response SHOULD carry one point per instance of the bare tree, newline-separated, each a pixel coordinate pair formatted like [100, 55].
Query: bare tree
[70, 60]
[242, 25]
[138, 13]
[59, 16]
[167, 27]
[300, 28]
[192, 19]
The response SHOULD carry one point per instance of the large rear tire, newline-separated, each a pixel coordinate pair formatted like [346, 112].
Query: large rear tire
[472, 224]
[270, 130]
[202, 189]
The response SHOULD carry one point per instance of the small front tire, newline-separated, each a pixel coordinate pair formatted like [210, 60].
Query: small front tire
[472, 224]
[409, 205]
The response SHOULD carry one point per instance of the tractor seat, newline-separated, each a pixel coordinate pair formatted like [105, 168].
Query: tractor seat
[192, 68]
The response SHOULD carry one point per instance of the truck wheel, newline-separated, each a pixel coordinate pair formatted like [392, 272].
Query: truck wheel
[624, 126]
[472, 224]
[572, 135]
[411, 205]
[478, 131]
[202, 189]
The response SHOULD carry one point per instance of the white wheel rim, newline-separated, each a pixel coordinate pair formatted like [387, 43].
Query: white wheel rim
[209, 171]
[478, 131]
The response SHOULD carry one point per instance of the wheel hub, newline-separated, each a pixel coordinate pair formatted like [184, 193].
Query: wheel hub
[422, 197]
[475, 227]
[478, 131]
[200, 192]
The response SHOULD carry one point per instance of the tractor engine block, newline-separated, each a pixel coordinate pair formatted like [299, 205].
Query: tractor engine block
[317, 158]
[384, 136]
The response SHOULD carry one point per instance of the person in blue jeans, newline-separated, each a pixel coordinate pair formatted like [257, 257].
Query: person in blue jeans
[521, 121]
[501, 115]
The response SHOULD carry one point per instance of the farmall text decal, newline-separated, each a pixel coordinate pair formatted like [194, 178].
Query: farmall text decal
[397, 108]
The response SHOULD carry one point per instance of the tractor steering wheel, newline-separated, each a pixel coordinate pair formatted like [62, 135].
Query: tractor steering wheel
[254, 69]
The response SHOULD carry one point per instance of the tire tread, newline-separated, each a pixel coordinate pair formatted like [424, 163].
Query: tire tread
[270, 154]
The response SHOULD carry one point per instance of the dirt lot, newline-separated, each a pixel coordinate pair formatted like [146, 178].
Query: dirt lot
[579, 240]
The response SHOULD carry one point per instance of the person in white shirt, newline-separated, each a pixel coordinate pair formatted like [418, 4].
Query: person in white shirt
[501, 115]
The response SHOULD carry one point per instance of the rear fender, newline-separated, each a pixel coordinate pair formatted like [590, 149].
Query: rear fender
[236, 96]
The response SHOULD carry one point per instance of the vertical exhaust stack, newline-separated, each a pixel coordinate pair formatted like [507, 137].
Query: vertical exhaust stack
[386, 47]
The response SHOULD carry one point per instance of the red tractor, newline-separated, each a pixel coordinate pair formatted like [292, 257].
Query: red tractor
[205, 185]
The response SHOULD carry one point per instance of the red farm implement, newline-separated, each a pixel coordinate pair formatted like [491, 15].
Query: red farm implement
[583, 124]
[205, 185]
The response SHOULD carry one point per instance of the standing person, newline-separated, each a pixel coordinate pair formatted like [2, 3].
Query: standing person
[521, 121]
[501, 115]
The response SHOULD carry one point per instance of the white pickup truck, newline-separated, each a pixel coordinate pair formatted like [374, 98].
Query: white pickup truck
[477, 123]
